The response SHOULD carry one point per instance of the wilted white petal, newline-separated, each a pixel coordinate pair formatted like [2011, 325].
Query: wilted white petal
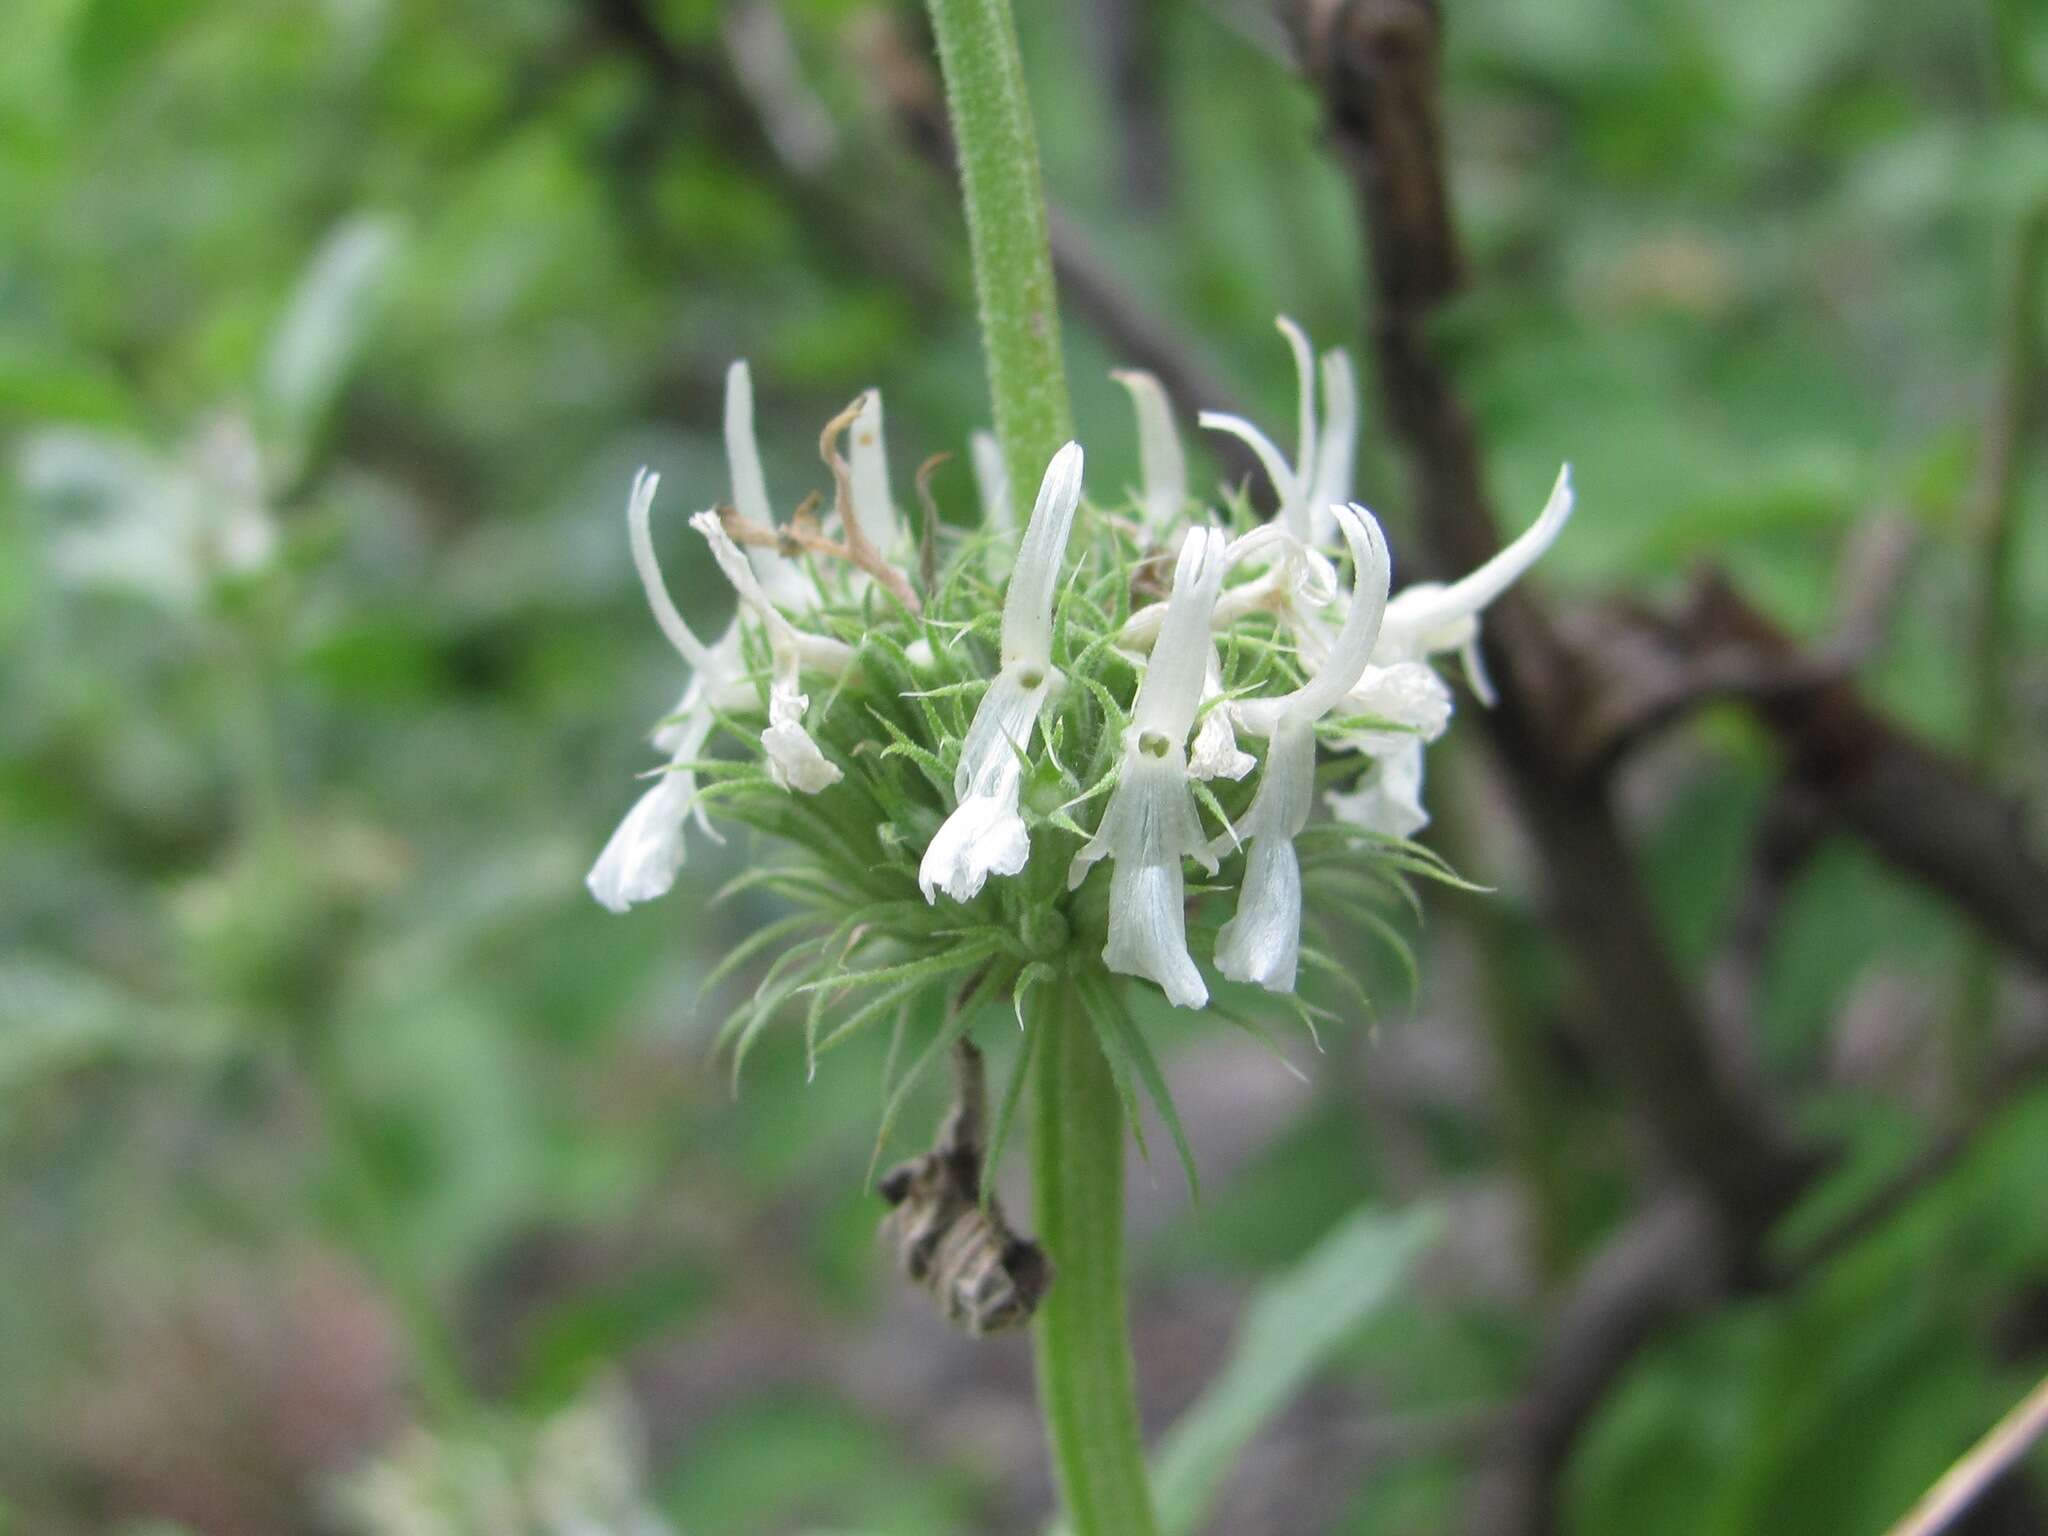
[984, 836]
[1215, 753]
[794, 761]
[1160, 461]
[641, 860]
[992, 481]
[1407, 695]
[868, 461]
[1389, 799]
[1424, 620]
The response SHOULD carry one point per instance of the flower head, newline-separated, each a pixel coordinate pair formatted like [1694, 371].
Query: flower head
[1195, 725]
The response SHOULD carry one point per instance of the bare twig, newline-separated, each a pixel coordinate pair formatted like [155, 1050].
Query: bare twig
[1986, 1462]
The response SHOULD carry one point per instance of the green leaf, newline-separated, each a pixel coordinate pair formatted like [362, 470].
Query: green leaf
[1293, 1326]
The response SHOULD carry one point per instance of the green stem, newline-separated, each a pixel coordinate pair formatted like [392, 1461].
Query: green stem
[1006, 235]
[1084, 1351]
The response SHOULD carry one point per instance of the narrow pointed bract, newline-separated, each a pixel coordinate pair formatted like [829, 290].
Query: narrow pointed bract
[1150, 824]
[985, 835]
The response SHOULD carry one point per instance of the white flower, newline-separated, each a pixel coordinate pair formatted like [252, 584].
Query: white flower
[783, 580]
[1426, 620]
[1215, 754]
[1262, 943]
[1160, 462]
[1430, 618]
[794, 760]
[1319, 479]
[985, 835]
[1150, 824]
[641, 860]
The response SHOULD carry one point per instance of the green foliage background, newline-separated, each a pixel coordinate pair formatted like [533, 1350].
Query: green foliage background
[330, 1104]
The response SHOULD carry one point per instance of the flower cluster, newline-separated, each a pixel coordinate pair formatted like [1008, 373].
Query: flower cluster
[1142, 686]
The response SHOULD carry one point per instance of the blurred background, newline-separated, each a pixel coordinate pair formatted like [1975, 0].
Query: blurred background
[357, 1172]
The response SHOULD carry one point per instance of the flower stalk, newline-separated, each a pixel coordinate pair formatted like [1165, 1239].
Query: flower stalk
[1084, 1355]
[1084, 1351]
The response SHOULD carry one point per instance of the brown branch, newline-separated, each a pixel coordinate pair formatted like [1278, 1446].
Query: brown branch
[1375, 64]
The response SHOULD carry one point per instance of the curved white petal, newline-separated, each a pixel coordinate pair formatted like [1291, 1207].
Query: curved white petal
[1001, 728]
[1295, 512]
[1027, 606]
[1171, 689]
[1426, 619]
[1346, 657]
[644, 854]
[1160, 461]
[641, 537]
[984, 836]
[1277, 468]
[1337, 448]
[785, 582]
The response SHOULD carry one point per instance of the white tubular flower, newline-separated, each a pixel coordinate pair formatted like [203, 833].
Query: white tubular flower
[1160, 461]
[1389, 799]
[868, 469]
[641, 860]
[1262, 943]
[985, 835]
[783, 580]
[1320, 476]
[1150, 824]
[794, 760]
[992, 482]
[1431, 618]
[1215, 754]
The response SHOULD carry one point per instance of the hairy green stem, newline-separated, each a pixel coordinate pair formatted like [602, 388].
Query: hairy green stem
[1084, 1351]
[1006, 235]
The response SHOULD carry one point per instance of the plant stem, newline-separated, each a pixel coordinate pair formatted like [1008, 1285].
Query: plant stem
[1084, 1351]
[1006, 235]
